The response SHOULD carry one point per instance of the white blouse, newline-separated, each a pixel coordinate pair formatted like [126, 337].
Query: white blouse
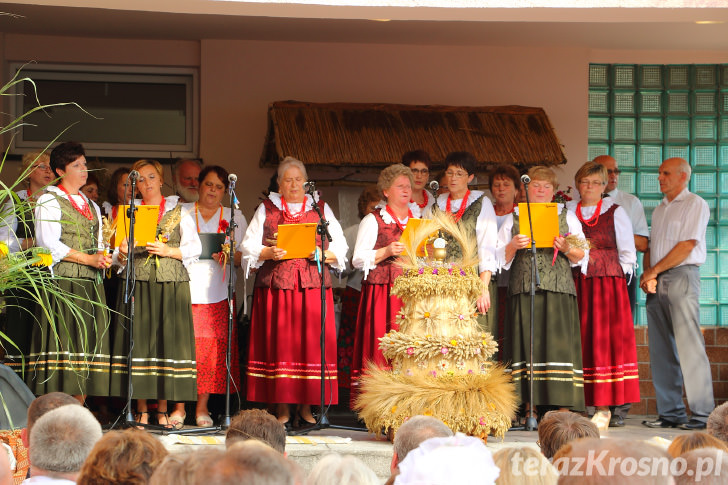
[206, 274]
[505, 235]
[486, 227]
[366, 238]
[48, 228]
[9, 223]
[253, 240]
[622, 229]
[189, 245]
[417, 211]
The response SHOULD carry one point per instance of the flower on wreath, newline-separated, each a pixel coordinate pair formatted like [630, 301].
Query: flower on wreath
[482, 421]
[410, 350]
[444, 350]
[443, 364]
[408, 373]
[563, 196]
[422, 364]
[454, 343]
[433, 374]
[223, 226]
[460, 365]
[422, 313]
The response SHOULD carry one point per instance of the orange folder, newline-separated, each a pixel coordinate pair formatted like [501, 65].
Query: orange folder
[145, 224]
[299, 240]
[545, 217]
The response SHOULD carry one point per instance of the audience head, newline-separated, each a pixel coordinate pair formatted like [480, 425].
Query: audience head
[524, 466]
[61, 440]
[185, 175]
[718, 422]
[459, 459]
[368, 200]
[613, 461]
[181, 468]
[256, 424]
[558, 428]
[6, 471]
[41, 405]
[41, 173]
[129, 457]
[337, 469]
[704, 466]
[64, 154]
[118, 190]
[610, 164]
[246, 463]
[692, 441]
[413, 432]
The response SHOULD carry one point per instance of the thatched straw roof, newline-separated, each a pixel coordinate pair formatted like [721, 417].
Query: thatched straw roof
[363, 134]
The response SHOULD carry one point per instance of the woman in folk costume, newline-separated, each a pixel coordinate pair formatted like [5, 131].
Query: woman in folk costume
[17, 231]
[608, 346]
[473, 210]
[284, 362]
[557, 371]
[377, 248]
[70, 348]
[419, 162]
[163, 357]
[210, 276]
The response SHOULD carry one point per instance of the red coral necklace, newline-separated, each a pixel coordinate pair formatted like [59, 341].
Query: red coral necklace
[290, 218]
[463, 206]
[593, 220]
[396, 219]
[85, 212]
[424, 197]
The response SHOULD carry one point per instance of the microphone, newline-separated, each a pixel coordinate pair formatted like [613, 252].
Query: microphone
[309, 186]
[525, 179]
[133, 175]
[434, 186]
[232, 178]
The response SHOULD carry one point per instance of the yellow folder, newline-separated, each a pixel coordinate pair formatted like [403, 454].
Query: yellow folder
[545, 217]
[299, 240]
[145, 224]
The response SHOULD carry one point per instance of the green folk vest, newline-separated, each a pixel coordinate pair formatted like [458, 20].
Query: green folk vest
[556, 278]
[167, 269]
[467, 222]
[78, 233]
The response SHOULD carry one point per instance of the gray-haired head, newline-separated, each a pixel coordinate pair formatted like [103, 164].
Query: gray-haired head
[290, 162]
[416, 430]
[62, 439]
[335, 469]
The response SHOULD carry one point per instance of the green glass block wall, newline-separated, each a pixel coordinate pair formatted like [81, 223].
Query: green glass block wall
[643, 114]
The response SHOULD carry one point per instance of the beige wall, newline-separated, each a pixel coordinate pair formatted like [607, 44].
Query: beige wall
[239, 78]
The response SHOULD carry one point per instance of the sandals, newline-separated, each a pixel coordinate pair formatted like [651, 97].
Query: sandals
[177, 422]
[140, 418]
[203, 421]
[601, 420]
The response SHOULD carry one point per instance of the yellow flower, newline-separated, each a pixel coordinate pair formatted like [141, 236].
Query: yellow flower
[454, 343]
[394, 409]
[4, 251]
[45, 259]
[427, 412]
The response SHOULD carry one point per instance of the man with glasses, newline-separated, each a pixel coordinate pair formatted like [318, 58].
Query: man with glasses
[636, 213]
[418, 162]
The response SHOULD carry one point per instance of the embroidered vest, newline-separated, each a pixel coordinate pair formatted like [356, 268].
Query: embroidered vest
[26, 222]
[604, 255]
[386, 271]
[556, 278]
[78, 233]
[167, 269]
[289, 274]
[467, 222]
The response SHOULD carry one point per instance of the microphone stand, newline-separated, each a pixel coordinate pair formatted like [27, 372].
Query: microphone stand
[129, 284]
[322, 229]
[531, 423]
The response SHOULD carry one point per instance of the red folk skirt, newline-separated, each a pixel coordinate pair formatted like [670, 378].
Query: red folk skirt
[347, 330]
[211, 334]
[377, 316]
[609, 351]
[284, 363]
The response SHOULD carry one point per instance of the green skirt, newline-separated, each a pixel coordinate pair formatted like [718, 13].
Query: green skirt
[17, 324]
[69, 351]
[557, 372]
[489, 322]
[163, 357]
